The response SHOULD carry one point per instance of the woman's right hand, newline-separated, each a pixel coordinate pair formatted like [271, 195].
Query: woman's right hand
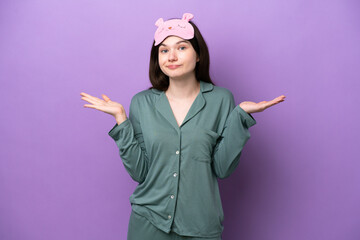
[107, 106]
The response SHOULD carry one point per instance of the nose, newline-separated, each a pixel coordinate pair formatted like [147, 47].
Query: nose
[172, 56]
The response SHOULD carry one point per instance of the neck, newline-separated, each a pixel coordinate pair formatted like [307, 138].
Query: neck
[183, 88]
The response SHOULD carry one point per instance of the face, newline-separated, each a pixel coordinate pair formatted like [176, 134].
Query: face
[177, 57]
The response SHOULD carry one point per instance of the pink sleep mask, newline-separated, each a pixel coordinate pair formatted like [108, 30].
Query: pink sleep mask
[178, 27]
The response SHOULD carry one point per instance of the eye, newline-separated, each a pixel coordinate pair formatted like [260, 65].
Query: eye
[183, 47]
[162, 51]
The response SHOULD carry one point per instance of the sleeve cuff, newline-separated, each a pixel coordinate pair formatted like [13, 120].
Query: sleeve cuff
[246, 117]
[114, 132]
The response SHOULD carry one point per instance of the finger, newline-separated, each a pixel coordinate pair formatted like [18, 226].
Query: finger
[90, 100]
[278, 99]
[97, 107]
[106, 98]
[271, 103]
[90, 106]
[282, 97]
[93, 98]
[85, 94]
[267, 104]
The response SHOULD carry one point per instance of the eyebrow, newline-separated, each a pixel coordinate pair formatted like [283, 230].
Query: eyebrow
[175, 43]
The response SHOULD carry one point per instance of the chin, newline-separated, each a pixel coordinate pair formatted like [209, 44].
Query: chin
[174, 75]
[177, 77]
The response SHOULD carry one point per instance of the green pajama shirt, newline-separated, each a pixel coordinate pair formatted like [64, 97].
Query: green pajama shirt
[141, 229]
[177, 167]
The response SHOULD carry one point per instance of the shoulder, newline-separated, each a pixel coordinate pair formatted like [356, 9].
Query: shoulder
[143, 99]
[222, 93]
[221, 97]
[140, 96]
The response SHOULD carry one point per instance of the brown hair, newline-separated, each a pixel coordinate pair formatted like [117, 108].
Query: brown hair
[160, 81]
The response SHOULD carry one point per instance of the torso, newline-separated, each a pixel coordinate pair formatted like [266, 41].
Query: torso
[181, 108]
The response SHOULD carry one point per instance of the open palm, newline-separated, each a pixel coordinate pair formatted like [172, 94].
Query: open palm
[252, 107]
[107, 106]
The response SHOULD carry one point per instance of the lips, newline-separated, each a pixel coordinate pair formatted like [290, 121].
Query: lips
[173, 66]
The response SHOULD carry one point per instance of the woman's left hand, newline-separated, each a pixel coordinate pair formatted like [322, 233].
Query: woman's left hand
[251, 107]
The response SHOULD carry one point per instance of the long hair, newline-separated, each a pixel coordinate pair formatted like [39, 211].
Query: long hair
[160, 81]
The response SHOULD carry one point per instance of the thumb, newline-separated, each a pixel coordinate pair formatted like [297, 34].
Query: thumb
[106, 98]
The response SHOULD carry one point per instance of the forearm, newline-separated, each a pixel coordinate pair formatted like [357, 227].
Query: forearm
[131, 151]
[227, 153]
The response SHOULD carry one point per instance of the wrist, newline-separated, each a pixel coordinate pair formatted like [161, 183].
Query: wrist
[245, 108]
[242, 106]
[120, 118]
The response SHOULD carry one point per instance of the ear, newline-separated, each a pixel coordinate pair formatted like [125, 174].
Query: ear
[159, 22]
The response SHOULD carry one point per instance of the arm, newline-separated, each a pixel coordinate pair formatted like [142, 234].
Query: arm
[234, 136]
[129, 139]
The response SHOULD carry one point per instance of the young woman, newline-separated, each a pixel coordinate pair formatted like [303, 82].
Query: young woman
[182, 134]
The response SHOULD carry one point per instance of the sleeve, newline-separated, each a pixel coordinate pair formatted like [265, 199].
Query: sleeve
[129, 139]
[227, 151]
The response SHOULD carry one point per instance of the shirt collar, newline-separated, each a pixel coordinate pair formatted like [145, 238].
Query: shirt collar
[163, 106]
[204, 87]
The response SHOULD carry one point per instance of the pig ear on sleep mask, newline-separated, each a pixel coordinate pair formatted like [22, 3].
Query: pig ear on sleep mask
[177, 27]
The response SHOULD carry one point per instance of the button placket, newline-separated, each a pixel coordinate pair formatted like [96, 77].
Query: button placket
[175, 174]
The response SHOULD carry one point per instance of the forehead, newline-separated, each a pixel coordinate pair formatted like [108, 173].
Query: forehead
[172, 40]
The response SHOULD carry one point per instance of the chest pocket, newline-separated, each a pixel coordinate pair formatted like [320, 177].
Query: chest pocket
[202, 144]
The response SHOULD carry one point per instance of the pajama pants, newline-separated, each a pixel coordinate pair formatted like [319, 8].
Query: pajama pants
[142, 229]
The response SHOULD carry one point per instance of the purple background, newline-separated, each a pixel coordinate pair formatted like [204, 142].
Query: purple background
[60, 173]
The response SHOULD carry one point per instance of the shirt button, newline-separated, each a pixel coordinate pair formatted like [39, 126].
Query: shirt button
[172, 196]
[169, 217]
[175, 174]
[177, 152]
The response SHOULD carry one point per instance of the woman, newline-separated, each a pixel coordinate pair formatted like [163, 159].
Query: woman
[182, 134]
